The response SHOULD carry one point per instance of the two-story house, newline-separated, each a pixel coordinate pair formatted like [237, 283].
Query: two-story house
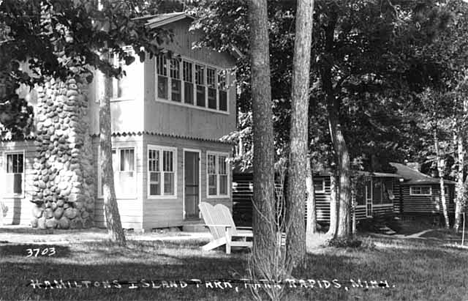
[168, 115]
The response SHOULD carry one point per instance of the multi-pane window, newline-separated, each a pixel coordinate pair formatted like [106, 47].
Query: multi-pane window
[420, 190]
[191, 83]
[188, 82]
[161, 171]
[176, 87]
[200, 82]
[218, 176]
[163, 81]
[211, 81]
[14, 173]
[222, 91]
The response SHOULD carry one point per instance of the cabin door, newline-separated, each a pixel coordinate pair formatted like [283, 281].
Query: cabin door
[192, 184]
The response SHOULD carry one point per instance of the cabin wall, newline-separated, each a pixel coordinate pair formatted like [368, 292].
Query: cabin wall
[423, 204]
[20, 207]
[169, 211]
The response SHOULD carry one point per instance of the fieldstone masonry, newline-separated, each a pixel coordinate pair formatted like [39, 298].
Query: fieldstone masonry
[64, 177]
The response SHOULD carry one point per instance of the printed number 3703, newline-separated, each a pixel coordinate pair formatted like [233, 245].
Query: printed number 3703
[41, 252]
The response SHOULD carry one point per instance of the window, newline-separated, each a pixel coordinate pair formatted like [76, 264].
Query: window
[161, 66]
[14, 169]
[217, 175]
[191, 84]
[176, 89]
[200, 81]
[420, 190]
[123, 165]
[319, 185]
[382, 191]
[222, 90]
[188, 82]
[161, 171]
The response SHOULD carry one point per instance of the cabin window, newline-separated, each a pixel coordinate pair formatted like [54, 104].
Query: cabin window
[123, 165]
[222, 90]
[217, 175]
[382, 191]
[161, 171]
[188, 82]
[192, 84]
[14, 169]
[176, 87]
[319, 185]
[420, 190]
[161, 66]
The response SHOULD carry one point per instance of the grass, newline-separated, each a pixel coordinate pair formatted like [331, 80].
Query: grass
[415, 269]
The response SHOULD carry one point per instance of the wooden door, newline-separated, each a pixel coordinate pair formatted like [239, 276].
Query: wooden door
[192, 184]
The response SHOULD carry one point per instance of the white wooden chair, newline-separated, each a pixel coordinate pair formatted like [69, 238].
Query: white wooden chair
[219, 220]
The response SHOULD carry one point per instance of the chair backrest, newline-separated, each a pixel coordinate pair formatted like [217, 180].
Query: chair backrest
[226, 216]
[217, 215]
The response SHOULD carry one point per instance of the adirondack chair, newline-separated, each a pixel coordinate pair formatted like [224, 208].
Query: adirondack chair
[219, 220]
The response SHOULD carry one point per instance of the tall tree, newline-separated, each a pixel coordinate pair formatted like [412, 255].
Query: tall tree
[264, 230]
[298, 148]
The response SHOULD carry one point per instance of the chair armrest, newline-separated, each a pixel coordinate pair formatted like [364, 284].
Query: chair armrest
[218, 225]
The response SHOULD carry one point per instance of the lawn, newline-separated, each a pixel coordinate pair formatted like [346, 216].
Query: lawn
[161, 269]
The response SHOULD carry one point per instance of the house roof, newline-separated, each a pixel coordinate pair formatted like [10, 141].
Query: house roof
[415, 177]
[164, 19]
[141, 133]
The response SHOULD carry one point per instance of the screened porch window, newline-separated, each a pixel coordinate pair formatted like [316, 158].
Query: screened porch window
[217, 174]
[161, 171]
[14, 174]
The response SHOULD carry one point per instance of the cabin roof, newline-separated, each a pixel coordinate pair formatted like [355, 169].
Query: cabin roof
[156, 21]
[415, 177]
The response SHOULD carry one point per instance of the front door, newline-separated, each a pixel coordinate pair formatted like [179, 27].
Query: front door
[192, 184]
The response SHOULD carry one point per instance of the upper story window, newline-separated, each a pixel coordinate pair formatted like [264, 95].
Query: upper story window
[193, 84]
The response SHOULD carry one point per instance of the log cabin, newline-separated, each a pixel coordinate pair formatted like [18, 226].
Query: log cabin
[420, 193]
[374, 195]
[168, 115]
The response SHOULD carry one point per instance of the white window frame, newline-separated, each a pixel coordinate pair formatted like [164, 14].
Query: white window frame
[412, 192]
[323, 185]
[160, 149]
[23, 180]
[228, 171]
[194, 63]
[117, 163]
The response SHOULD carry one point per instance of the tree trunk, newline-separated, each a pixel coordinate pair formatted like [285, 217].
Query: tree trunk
[460, 184]
[263, 189]
[296, 239]
[334, 205]
[440, 169]
[111, 209]
[343, 229]
[311, 222]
